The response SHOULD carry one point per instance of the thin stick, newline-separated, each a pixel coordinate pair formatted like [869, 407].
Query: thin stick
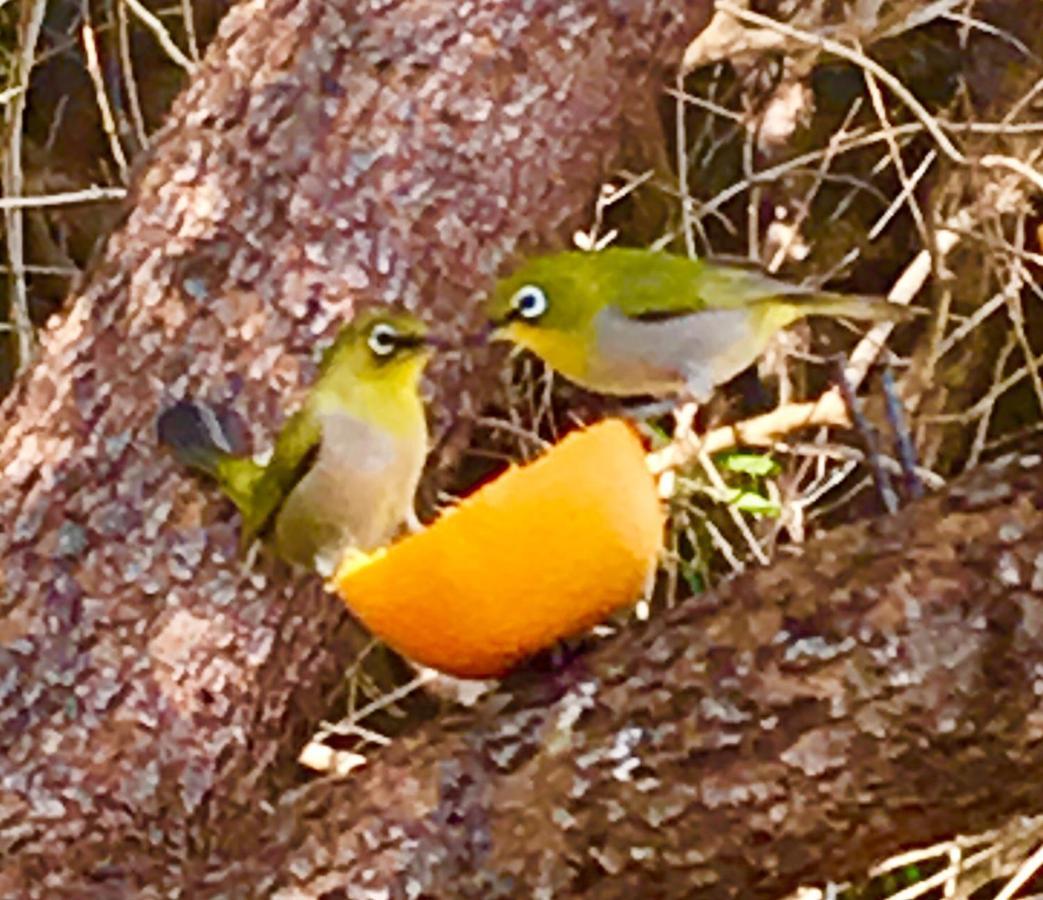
[6, 96]
[906, 194]
[804, 208]
[940, 878]
[759, 431]
[880, 108]
[979, 25]
[981, 433]
[88, 195]
[718, 110]
[715, 479]
[159, 30]
[188, 14]
[108, 122]
[382, 702]
[1017, 313]
[854, 142]
[995, 302]
[986, 402]
[127, 64]
[32, 21]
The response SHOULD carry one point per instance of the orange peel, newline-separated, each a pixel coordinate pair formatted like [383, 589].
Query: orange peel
[542, 552]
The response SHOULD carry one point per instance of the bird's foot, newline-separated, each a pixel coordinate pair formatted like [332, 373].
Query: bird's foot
[351, 560]
[251, 551]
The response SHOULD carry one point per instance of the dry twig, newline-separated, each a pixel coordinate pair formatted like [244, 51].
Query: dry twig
[29, 34]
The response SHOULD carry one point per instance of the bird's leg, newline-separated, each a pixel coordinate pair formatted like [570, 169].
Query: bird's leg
[644, 411]
[641, 414]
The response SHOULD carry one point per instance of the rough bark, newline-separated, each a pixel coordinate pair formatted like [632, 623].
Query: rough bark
[879, 691]
[153, 692]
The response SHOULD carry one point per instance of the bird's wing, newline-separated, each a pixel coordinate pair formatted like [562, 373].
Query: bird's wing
[295, 451]
[677, 286]
[733, 287]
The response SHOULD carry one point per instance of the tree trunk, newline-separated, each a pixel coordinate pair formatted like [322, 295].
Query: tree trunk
[328, 154]
[879, 691]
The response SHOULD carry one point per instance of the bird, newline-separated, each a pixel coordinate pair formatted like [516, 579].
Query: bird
[344, 468]
[628, 321]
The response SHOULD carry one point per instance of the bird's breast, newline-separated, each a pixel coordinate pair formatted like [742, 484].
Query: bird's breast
[356, 494]
[666, 356]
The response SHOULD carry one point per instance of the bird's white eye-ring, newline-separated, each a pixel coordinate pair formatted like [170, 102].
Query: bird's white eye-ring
[383, 339]
[529, 301]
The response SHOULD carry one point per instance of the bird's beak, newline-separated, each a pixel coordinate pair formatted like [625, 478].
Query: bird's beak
[490, 331]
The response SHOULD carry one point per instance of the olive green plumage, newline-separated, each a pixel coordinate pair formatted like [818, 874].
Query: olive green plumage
[344, 469]
[629, 321]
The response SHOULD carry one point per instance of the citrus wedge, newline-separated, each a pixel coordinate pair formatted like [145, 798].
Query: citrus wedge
[542, 552]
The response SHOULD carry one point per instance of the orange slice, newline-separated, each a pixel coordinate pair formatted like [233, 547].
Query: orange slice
[540, 553]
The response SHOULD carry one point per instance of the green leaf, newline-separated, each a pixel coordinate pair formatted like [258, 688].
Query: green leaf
[913, 874]
[753, 503]
[758, 465]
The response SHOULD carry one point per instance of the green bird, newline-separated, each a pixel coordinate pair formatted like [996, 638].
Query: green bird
[628, 321]
[344, 469]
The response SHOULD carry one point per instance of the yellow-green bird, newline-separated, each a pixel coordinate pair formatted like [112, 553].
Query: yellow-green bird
[344, 469]
[628, 321]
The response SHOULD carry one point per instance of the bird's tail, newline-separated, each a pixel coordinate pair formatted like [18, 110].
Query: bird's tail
[212, 441]
[849, 306]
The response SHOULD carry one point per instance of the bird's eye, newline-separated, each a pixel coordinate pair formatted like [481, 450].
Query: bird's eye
[529, 302]
[383, 339]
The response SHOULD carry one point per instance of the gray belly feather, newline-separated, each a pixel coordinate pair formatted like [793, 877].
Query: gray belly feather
[356, 494]
[689, 354]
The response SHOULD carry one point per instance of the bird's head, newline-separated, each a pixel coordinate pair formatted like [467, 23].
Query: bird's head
[380, 345]
[548, 306]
